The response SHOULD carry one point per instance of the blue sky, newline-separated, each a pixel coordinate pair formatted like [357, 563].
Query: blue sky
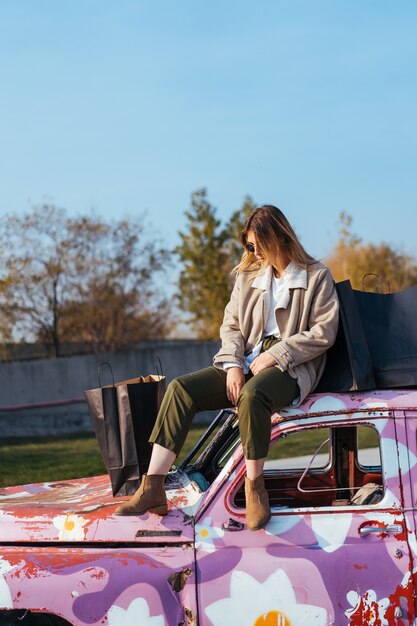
[124, 106]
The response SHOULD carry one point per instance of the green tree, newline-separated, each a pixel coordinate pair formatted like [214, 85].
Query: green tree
[352, 259]
[233, 229]
[208, 252]
[80, 280]
[203, 290]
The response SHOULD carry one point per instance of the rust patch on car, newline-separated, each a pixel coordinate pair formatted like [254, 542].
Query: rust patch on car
[177, 580]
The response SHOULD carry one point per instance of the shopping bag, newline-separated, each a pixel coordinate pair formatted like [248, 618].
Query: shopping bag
[349, 364]
[123, 415]
[389, 324]
[376, 346]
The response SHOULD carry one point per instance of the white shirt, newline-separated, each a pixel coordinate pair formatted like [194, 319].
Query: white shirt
[276, 293]
[277, 296]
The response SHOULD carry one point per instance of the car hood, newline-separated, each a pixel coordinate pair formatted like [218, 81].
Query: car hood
[82, 511]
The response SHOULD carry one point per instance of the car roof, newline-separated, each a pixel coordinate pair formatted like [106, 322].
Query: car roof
[352, 401]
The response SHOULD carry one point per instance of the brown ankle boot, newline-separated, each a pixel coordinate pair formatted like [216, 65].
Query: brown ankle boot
[149, 498]
[258, 513]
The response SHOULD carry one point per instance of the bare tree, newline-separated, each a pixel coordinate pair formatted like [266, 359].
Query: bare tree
[80, 279]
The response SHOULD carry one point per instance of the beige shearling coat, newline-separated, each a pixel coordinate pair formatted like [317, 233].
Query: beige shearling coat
[308, 323]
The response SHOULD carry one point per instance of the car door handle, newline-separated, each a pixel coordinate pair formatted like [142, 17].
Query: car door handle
[391, 529]
[232, 525]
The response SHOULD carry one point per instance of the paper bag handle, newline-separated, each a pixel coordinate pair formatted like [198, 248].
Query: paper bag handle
[158, 366]
[380, 281]
[99, 372]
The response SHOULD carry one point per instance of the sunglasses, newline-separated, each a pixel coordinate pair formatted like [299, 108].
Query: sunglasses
[250, 247]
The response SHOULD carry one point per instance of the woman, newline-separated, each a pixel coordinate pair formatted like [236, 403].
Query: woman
[281, 318]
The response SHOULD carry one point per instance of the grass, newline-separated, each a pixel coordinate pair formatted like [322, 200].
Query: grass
[43, 459]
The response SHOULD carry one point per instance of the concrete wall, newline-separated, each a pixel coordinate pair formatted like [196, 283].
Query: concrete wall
[27, 382]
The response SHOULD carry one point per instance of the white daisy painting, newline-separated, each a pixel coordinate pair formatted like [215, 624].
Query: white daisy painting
[70, 527]
[271, 603]
[206, 534]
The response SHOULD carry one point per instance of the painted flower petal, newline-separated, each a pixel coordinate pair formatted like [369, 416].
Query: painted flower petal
[353, 598]
[370, 596]
[222, 612]
[327, 403]
[380, 425]
[242, 584]
[331, 532]
[5, 595]
[206, 532]
[251, 599]
[390, 450]
[307, 614]
[370, 602]
[206, 522]
[216, 532]
[390, 500]
[6, 601]
[139, 609]
[117, 616]
[280, 524]
[5, 566]
[71, 527]
[258, 599]
[136, 614]
[279, 587]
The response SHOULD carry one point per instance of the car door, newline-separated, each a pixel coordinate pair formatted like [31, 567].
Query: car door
[407, 435]
[321, 559]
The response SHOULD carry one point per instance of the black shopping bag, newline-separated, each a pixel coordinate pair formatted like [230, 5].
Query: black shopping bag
[389, 324]
[123, 416]
[349, 364]
[376, 347]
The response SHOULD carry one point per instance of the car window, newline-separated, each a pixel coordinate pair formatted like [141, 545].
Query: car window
[321, 466]
[296, 449]
[368, 452]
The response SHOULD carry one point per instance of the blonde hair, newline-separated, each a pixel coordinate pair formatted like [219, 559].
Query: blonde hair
[273, 232]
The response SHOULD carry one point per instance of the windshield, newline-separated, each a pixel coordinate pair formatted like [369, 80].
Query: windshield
[214, 448]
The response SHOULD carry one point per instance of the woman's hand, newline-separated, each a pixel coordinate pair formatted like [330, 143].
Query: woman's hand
[234, 383]
[262, 362]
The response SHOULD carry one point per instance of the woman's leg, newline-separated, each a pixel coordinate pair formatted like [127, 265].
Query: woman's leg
[204, 390]
[268, 391]
[161, 460]
[262, 395]
[254, 468]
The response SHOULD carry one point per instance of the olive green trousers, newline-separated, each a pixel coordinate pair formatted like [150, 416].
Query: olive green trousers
[205, 390]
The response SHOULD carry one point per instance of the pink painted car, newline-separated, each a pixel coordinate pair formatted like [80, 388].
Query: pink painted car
[340, 547]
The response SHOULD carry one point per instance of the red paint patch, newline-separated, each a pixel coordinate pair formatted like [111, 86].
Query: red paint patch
[367, 612]
[402, 536]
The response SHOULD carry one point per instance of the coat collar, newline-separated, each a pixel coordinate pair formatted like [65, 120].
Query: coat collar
[295, 277]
